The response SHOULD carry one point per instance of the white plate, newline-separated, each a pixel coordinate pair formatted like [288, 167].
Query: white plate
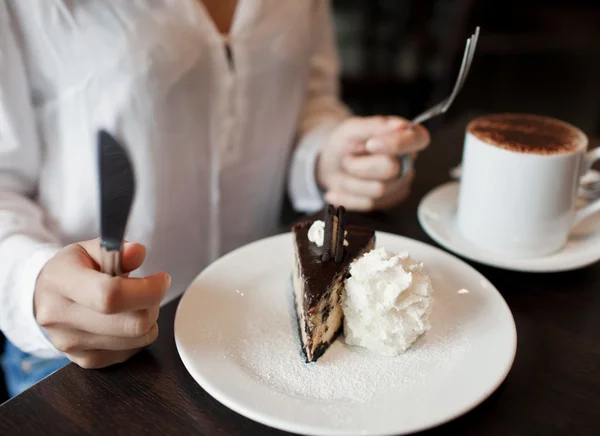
[236, 333]
[437, 215]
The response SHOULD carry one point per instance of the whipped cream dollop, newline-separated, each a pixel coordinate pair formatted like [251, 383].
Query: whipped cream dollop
[316, 233]
[387, 302]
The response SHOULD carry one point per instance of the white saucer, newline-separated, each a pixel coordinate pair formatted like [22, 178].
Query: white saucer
[237, 335]
[437, 215]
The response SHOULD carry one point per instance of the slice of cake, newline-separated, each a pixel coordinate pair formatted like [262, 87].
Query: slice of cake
[324, 251]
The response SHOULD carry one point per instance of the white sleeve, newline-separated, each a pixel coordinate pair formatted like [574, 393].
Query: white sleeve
[321, 114]
[26, 244]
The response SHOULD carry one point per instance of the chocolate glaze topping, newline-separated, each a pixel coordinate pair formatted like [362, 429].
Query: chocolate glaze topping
[527, 133]
[318, 275]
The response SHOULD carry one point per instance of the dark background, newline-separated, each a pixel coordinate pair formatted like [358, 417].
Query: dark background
[401, 56]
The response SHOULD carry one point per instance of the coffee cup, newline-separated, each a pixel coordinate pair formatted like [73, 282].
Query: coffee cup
[519, 183]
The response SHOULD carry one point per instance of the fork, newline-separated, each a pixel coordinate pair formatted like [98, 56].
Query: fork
[444, 105]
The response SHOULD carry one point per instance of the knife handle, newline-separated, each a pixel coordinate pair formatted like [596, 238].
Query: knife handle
[111, 261]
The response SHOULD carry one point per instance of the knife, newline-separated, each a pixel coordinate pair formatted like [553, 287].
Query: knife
[117, 189]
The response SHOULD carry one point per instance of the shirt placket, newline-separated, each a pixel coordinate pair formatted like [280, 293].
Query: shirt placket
[227, 152]
[230, 151]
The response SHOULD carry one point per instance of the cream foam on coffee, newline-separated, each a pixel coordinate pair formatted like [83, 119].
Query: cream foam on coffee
[527, 133]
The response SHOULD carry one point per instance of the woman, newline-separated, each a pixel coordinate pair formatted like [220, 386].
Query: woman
[220, 103]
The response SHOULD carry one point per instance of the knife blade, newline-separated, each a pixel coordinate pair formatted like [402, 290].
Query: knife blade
[117, 190]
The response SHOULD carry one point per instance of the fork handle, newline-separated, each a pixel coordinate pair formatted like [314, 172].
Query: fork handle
[421, 118]
[406, 164]
[406, 160]
[110, 261]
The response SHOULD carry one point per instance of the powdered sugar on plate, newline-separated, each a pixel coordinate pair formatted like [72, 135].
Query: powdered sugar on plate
[236, 333]
[270, 352]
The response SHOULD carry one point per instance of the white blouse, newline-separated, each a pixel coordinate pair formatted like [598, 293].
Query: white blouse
[215, 127]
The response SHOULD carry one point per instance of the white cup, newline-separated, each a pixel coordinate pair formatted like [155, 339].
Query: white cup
[521, 204]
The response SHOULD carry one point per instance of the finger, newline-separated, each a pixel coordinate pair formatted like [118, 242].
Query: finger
[69, 341]
[372, 166]
[399, 142]
[107, 294]
[133, 254]
[393, 199]
[347, 184]
[399, 184]
[395, 192]
[100, 359]
[128, 324]
[131, 294]
[59, 312]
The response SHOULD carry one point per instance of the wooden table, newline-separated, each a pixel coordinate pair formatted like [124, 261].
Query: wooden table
[552, 389]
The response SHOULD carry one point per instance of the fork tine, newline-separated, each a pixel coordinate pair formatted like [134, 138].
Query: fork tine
[476, 35]
[431, 112]
[474, 38]
[459, 81]
[469, 60]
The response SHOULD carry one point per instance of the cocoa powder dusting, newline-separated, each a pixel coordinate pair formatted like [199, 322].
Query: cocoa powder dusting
[527, 133]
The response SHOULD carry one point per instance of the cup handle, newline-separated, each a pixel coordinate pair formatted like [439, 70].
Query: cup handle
[588, 161]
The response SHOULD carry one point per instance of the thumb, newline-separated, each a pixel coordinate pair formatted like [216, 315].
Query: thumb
[133, 254]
